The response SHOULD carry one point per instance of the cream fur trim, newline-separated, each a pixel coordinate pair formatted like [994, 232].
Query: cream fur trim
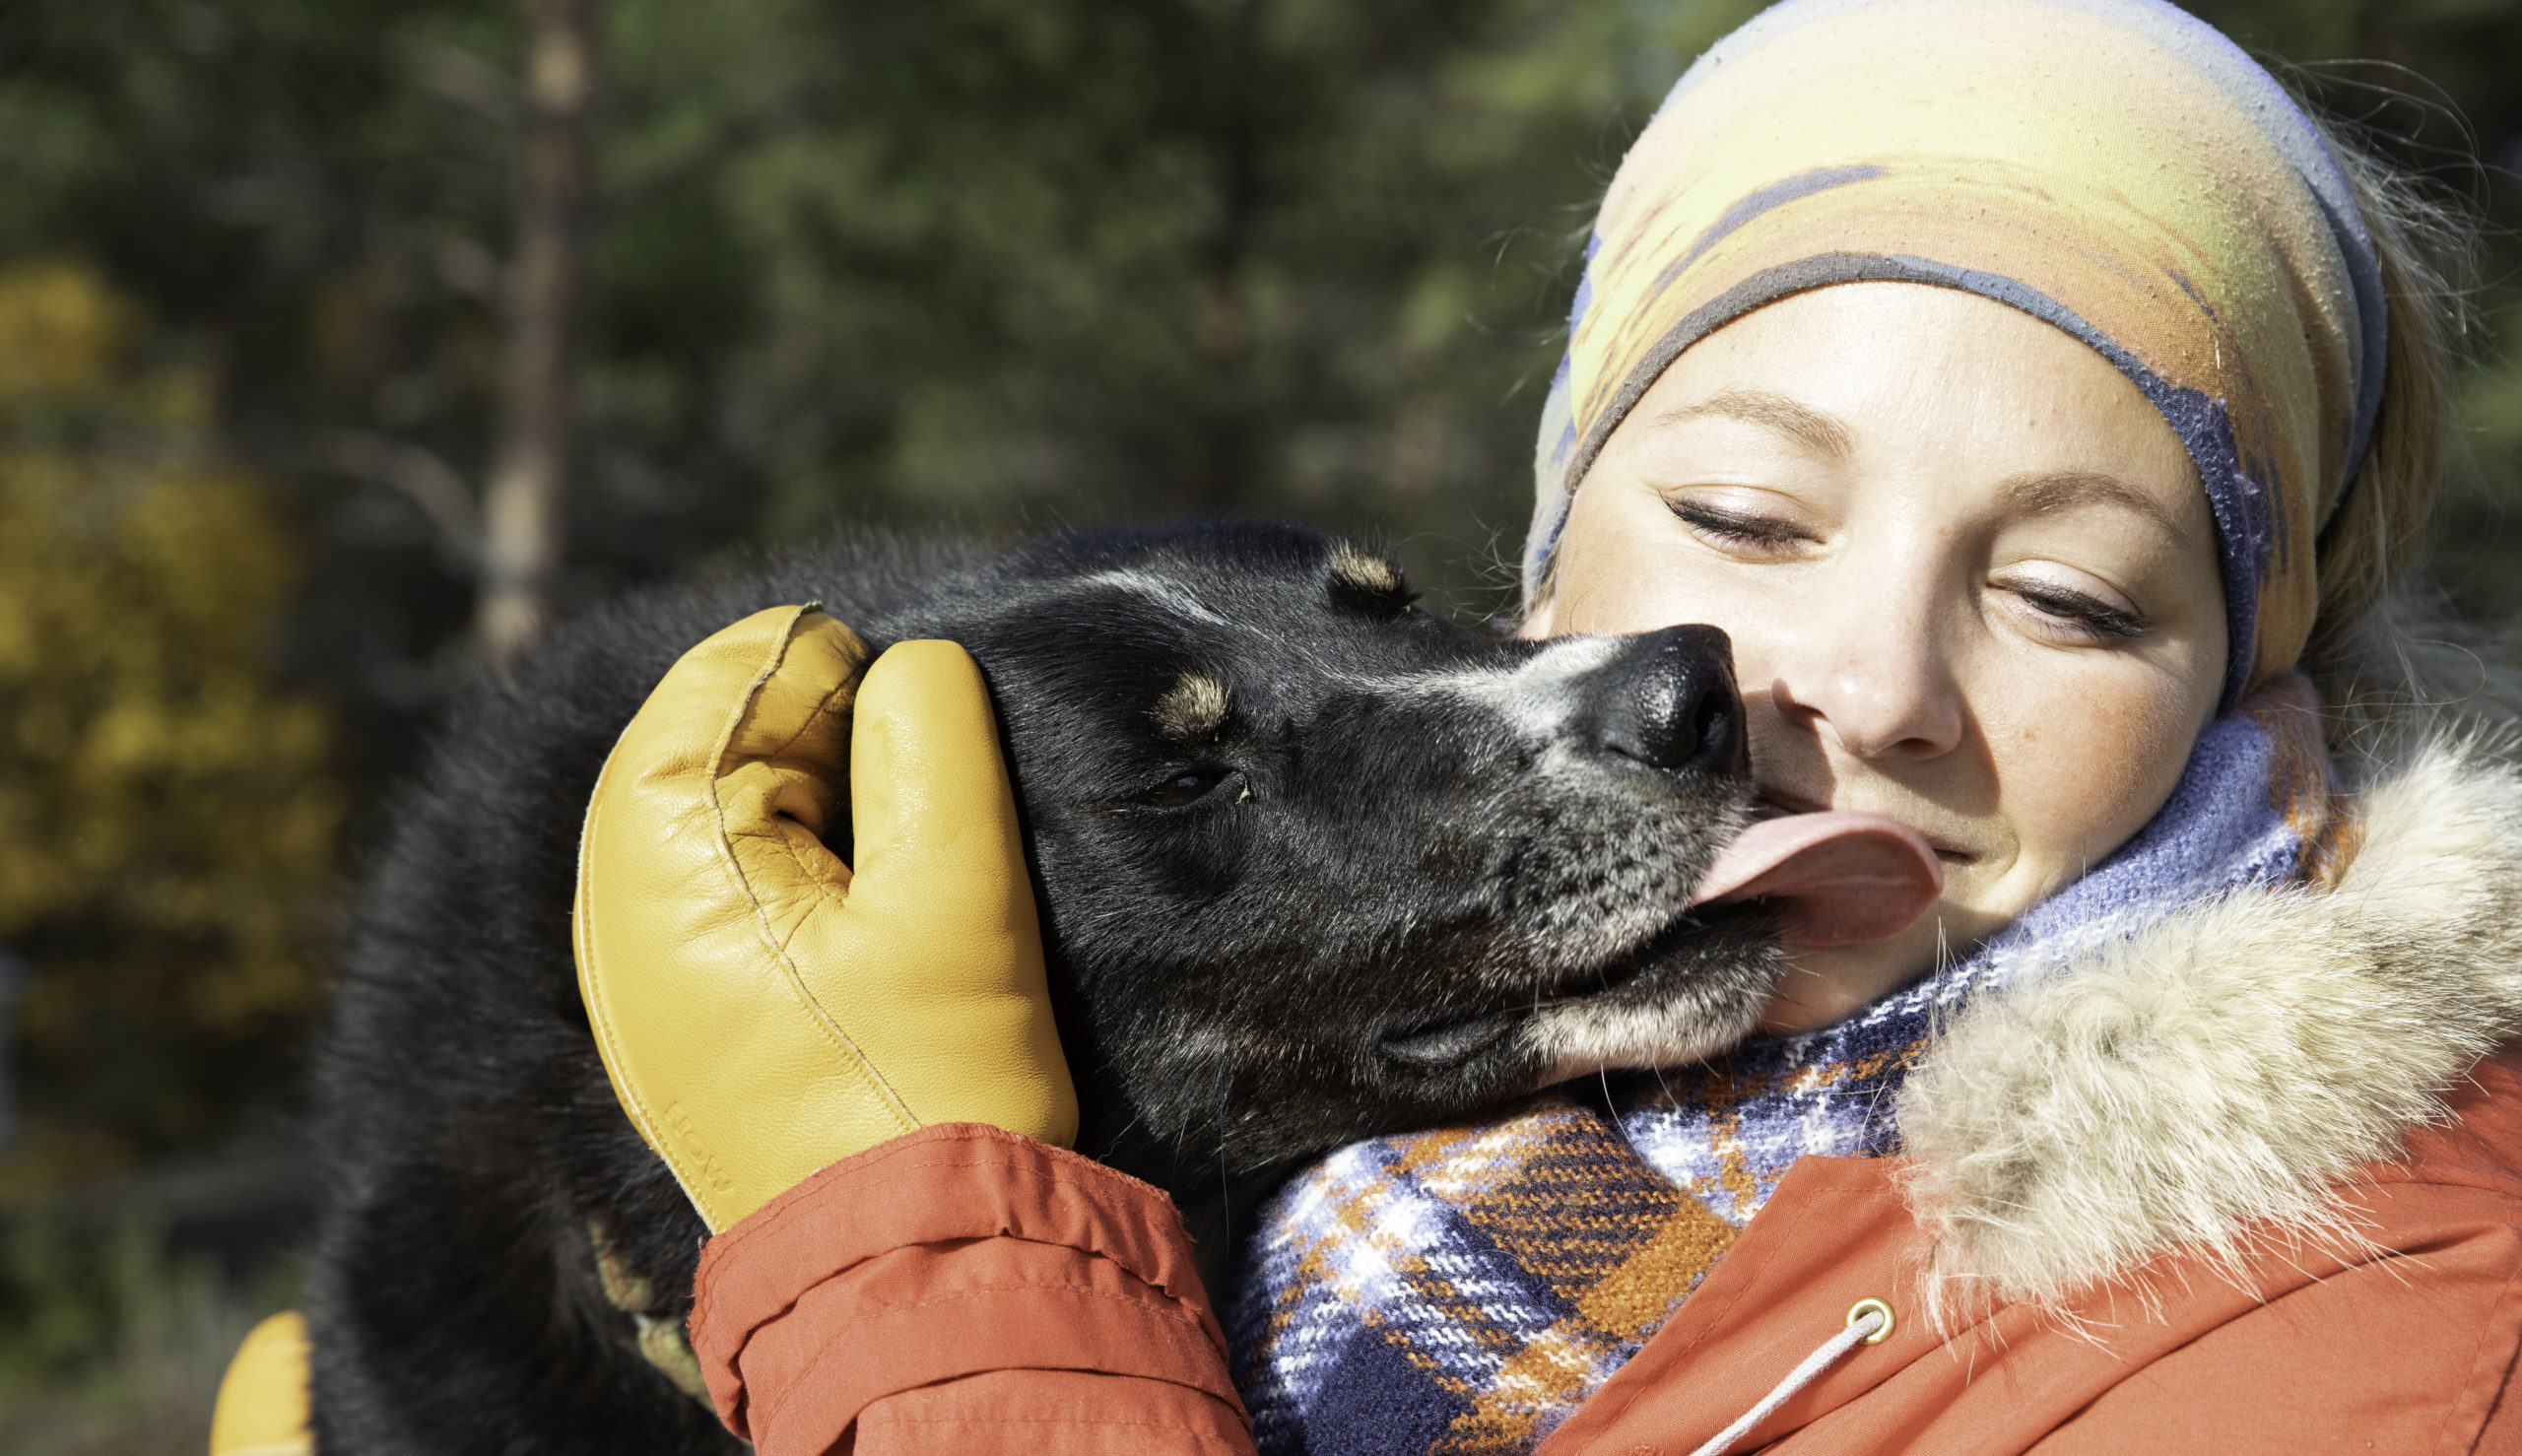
[2212, 1080]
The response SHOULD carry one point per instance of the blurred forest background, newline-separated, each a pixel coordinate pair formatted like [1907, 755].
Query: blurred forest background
[344, 343]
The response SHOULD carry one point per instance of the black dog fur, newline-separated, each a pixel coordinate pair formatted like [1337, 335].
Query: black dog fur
[1311, 864]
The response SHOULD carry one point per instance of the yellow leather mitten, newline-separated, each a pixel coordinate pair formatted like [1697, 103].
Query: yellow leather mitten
[263, 1400]
[763, 1010]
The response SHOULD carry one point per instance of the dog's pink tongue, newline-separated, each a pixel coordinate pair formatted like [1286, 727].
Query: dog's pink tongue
[1839, 876]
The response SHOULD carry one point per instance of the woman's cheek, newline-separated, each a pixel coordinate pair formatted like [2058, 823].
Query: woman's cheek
[1635, 586]
[1628, 565]
[2086, 755]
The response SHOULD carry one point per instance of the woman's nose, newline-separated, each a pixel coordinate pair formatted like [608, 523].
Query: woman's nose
[1873, 675]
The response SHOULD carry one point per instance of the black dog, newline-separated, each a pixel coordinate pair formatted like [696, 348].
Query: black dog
[1311, 865]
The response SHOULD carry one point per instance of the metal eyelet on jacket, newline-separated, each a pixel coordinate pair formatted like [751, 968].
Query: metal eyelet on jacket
[1882, 1307]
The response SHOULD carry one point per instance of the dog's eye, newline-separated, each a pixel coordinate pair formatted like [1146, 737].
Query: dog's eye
[1188, 786]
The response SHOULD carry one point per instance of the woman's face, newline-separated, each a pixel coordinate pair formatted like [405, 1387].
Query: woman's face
[1969, 571]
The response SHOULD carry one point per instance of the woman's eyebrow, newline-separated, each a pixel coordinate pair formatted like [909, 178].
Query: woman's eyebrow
[1809, 427]
[2041, 494]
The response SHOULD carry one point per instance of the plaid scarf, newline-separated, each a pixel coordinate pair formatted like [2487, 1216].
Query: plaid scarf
[1460, 1291]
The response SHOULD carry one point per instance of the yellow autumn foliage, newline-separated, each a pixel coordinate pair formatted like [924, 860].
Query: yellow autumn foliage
[166, 820]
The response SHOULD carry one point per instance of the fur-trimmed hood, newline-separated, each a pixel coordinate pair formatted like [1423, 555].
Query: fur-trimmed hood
[2212, 1080]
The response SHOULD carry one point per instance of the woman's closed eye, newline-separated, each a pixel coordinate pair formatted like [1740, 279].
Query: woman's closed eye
[2086, 616]
[1744, 532]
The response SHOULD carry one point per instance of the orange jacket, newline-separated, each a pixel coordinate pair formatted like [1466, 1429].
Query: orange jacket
[2237, 1183]
[967, 1290]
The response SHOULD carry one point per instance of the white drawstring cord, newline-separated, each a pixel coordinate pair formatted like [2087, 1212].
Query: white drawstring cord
[1867, 1324]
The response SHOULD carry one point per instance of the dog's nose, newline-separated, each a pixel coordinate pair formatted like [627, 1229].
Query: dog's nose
[1668, 702]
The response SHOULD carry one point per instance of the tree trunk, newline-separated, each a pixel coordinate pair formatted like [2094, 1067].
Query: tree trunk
[522, 502]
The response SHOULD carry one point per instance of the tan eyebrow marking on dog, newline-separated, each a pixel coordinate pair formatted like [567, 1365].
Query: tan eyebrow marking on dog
[1362, 571]
[1193, 708]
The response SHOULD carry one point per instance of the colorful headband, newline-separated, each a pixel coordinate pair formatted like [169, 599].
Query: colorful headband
[2114, 167]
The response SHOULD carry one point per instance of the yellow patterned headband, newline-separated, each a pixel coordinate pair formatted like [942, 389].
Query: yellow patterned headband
[2116, 167]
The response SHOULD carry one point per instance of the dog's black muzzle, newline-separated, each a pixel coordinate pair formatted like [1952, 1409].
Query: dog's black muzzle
[1669, 703]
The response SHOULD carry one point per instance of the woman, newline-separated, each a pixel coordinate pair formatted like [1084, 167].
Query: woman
[2043, 408]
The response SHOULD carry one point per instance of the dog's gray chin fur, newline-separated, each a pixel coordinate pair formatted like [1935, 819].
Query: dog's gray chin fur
[1582, 1038]
[1668, 1016]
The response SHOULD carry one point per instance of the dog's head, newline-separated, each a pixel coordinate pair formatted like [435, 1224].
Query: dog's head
[1315, 864]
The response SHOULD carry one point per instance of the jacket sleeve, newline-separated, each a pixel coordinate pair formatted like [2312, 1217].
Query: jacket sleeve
[965, 1289]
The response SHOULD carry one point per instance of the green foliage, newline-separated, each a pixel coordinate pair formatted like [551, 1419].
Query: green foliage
[110, 1346]
[987, 262]
[166, 819]
[2476, 556]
